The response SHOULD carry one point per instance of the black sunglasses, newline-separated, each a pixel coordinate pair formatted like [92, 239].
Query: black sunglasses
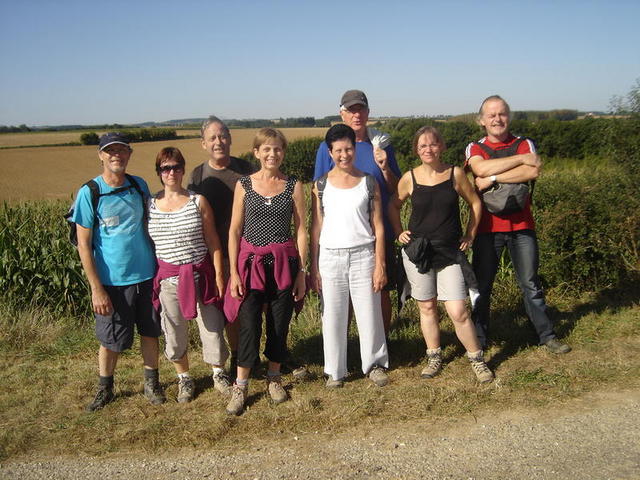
[168, 168]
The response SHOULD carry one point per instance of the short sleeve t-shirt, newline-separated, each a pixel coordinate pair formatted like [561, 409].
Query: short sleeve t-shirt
[217, 187]
[121, 246]
[489, 223]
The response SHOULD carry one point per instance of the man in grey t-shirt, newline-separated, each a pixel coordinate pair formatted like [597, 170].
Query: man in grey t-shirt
[216, 179]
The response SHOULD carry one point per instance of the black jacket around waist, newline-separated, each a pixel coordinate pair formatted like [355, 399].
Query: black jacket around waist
[426, 254]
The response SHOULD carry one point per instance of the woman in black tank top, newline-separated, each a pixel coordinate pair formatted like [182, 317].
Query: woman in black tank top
[433, 255]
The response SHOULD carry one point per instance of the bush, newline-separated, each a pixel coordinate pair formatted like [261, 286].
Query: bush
[89, 138]
[300, 158]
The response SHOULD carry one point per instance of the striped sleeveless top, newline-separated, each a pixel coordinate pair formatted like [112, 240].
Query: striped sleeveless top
[178, 236]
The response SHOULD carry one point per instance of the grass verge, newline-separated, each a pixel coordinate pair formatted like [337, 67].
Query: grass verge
[49, 374]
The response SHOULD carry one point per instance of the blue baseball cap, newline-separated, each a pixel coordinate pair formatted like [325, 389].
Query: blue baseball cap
[111, 138]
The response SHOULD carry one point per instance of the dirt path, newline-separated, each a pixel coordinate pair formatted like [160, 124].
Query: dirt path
[593, 437]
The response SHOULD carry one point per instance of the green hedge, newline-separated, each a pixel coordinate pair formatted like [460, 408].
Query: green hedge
[587, 222]
[588, 227]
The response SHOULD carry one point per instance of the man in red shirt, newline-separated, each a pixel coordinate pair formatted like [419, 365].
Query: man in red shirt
[514, 231]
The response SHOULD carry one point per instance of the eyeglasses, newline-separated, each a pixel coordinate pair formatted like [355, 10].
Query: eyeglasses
[167, 168]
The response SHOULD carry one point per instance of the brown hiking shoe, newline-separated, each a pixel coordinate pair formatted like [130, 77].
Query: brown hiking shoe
[274, 387]
[238, 397]
[434, 363]
[483, 374]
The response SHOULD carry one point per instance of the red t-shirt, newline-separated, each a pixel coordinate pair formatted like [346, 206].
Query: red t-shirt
[522, 220]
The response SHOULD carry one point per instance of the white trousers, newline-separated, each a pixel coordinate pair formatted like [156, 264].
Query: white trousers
[349, 272]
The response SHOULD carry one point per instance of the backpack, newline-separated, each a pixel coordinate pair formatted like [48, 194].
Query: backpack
[506, 198]
[95, 199]
[370, 180]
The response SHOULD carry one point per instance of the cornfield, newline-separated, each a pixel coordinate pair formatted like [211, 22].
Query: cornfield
[38, 266]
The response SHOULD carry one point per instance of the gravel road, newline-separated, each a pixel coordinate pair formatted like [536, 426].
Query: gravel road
[593, 437]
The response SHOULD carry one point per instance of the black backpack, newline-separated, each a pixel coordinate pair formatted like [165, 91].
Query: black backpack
[506, 198]
[95, 198]
[321, 183]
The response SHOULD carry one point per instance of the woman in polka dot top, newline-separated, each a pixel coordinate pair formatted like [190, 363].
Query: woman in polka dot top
[266, 264]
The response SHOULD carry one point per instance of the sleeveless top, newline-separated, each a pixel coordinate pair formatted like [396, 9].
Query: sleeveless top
[346, 222]
[267, 219]
[178, 236]
[435, 212]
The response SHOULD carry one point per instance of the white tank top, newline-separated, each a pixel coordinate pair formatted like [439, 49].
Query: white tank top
[346, 216]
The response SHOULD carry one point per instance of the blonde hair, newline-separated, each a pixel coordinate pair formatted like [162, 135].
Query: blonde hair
[265, 134]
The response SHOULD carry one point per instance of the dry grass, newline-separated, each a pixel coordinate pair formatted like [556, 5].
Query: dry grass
[58, 172]
[46, 384]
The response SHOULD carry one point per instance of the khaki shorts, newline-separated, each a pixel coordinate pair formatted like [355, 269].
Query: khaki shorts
[445, 284]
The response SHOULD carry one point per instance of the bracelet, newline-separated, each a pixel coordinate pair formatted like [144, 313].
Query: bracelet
[493, 178]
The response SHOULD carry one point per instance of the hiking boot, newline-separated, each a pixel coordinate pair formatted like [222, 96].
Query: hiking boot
[153, 391]
[238, 397]
[331, 383]
[378, 376]
[556, 346]
[221, 383]
[434, 363]
[300, 373]
[483, 374]
[274, 386]
[186, 389]
[103, 396]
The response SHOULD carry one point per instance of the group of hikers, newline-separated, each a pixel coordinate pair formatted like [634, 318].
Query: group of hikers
[232, 247]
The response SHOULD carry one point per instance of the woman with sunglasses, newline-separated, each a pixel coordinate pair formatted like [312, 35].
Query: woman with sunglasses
[189, 283]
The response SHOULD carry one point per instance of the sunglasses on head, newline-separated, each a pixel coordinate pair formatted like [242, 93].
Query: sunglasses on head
[168, 168]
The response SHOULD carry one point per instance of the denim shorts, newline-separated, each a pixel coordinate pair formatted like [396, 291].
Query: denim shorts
[131, 306]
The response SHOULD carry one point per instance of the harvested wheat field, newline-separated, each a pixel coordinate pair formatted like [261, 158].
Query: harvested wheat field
[57, 172]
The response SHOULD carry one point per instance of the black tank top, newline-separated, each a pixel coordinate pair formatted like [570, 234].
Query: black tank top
[435, 213]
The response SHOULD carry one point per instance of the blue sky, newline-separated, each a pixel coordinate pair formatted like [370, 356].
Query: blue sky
[72, 62]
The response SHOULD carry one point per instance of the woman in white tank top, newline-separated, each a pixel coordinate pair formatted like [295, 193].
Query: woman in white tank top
[348, 260]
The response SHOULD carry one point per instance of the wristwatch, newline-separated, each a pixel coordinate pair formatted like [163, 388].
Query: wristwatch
[493, 178]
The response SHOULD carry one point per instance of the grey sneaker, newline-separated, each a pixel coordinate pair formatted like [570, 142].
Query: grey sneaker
[103, 396]
[331, 383]
[434, 363]
[153, 391]
[186, 389]
[274, 386]
[222, 384]
[556, 346]
[238, 397]
[378, 376]
[483, 374]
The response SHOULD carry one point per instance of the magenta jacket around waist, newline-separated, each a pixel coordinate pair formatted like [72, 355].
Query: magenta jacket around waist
[256, 275]
[187, 296]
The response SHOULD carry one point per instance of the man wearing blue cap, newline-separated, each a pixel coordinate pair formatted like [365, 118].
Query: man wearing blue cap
[118, 260]
[375, 156]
